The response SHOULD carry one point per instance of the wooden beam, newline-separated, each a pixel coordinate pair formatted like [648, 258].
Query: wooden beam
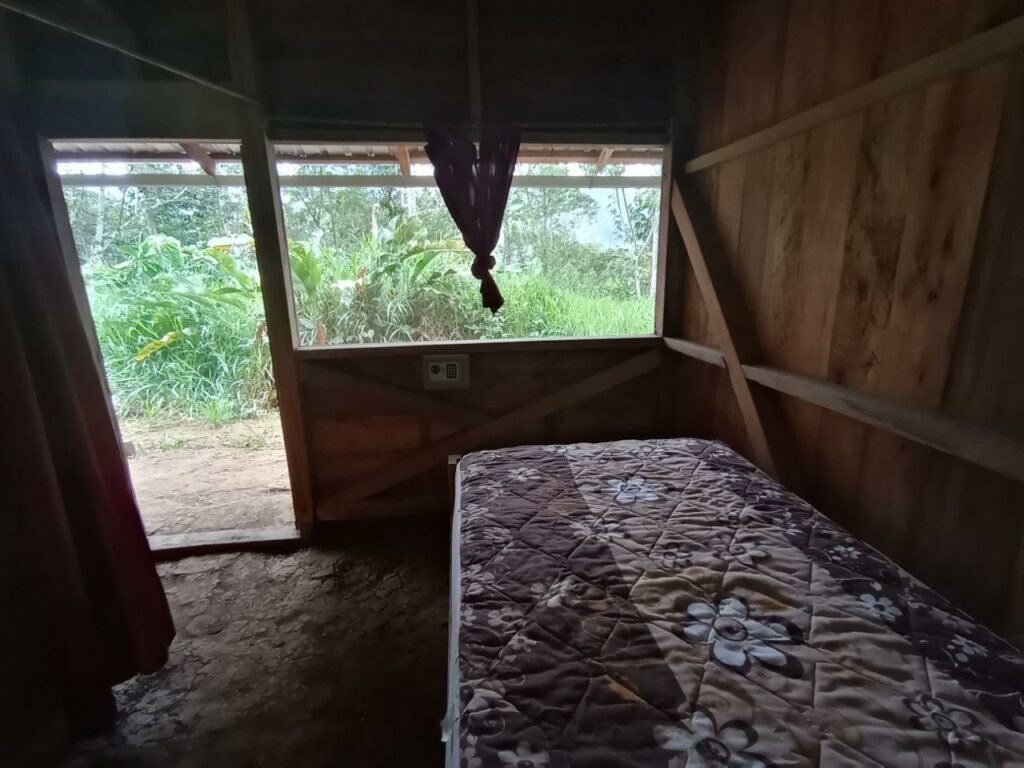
[287, 152]
[453, 413]
[275, 280]
[323, 129]
[664, 227]
[697, 351]
[434, 455]
[981, 49]
[978, 445]
[603, 158]
[404, 161]
[69, 251]
[174, 546]
[133, 111]
[30, 11]
[201, 157]
[528, 181]
[474, 347]
[264, 196]
[720, 328]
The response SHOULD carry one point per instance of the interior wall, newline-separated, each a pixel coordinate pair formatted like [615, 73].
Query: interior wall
[353, 430]
[884, 251]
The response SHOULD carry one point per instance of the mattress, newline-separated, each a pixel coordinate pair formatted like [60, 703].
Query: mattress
[663, 603]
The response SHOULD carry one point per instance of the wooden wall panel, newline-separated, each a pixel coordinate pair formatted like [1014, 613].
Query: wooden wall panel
[355, 430]
[973, 510]
[880, 251]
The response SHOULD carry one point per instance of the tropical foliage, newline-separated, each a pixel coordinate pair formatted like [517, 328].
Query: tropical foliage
[176, 298]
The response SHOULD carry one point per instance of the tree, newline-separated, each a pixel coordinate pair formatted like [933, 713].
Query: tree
[636, 216]
[540, 222]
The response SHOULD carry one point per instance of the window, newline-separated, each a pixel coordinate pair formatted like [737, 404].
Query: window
[376, 258]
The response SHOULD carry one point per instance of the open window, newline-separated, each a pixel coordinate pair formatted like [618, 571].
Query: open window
[376, 258]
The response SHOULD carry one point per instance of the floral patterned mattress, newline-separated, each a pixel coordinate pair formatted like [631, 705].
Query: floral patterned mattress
[663, 603]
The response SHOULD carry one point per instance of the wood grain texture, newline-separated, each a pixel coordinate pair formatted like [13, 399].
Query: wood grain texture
[970, 511]
[275, 278]
[981, 446]
[720, 330]
[476, 437]
[879, 249]
[455, 413]
[979, 50]
[359, 432]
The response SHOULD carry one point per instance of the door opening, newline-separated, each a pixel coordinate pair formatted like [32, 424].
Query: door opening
[174, 296]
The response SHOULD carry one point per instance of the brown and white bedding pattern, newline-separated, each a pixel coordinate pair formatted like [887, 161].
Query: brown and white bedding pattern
[663, 603]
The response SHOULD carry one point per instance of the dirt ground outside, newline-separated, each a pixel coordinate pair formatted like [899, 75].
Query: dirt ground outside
[195, 476]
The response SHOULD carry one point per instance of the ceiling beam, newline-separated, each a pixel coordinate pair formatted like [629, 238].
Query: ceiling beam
[123, 110]
[404, 161]
[200, 156]
[29, 11]
[603, 158]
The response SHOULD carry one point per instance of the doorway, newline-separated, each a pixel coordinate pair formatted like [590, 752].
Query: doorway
[164, 246]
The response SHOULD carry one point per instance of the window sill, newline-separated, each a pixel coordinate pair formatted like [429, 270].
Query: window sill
[342, 351]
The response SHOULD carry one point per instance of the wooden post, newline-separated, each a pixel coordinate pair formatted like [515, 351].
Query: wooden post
[264, 195]
[664, 230]
[275, 279]
[720, 328]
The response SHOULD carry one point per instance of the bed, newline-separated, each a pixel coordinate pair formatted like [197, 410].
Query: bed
[663, 603]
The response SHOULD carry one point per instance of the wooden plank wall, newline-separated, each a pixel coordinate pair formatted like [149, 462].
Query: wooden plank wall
[884, 251]
[352, 430]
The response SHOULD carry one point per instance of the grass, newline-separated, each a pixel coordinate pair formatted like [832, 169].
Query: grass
[184, 337]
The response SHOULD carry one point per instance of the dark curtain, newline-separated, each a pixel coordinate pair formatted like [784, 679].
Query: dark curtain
[475, 189]
[83, 605]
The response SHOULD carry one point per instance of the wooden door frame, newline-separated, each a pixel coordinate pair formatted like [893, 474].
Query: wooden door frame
[277, 326]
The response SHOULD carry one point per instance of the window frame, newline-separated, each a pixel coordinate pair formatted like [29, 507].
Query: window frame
[410, 138]
[469, 346]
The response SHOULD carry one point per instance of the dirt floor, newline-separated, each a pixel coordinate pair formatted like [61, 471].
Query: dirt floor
[334, 656]
[193, 476]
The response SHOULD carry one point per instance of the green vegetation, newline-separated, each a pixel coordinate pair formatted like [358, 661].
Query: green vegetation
[181, 330]
[175, 292]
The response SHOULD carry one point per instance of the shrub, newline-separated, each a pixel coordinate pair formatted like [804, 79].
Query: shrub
[181, 330]
[183, 334]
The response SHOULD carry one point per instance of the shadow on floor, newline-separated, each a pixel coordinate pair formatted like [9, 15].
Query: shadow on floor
[329, 656]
